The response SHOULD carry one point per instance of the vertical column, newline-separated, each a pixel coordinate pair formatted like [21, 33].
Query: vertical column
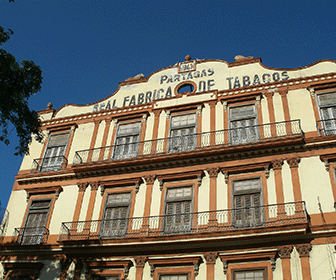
[149, 189]
[93, 194]
[93, 139]
[114, 132]
[260, 118]
[106, 131]
[213, 188]
[66, 154]
[283, 93]
[277, 167]
[226, 122]
[285, 254]
[294, 166]
[143, 133]
[270, 105]
[165, 144]
[199, 126]
[65, 264]
[212, 122]
[210, 259]
[78, 269]
[303, 250]
[157, 114]
[140, 262]
[81, 190]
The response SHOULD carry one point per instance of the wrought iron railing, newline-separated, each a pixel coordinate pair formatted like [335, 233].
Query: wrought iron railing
[266, 216]
[219, 138]
[4, 214]
[49, 164]
[326, 127]
[31, 235]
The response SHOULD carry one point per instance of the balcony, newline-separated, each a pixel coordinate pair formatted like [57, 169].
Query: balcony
[31, 235]
[200, 141]
[222, 221]
[326, 127]
[49, 164]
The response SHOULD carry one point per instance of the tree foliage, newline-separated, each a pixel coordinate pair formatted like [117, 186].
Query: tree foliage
[17, 83]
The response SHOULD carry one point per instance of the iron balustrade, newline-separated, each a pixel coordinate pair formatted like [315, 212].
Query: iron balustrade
[226, 137]
[49, 164]
[31, 235]
[221, 221]
[326, 127]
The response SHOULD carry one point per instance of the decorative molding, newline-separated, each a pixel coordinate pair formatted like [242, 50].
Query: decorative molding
[213, 172]
[225, 106]
[226, 177]
[167, 114]
[248, 256]
[293, 162]
[285, 252]
[326, 159]
[144, 118]
[312, 92]
[140, 261]
[181, 176]
[303, 250]
[273, 263]
[225, 266]
[210, 257]
[277, 164]
[199, 110]
[283, 91]
[150, 179]
[82, 186]
[157, 113]
[94, 186]
[269, 93]
[185, 261]
[258, 99]
[265, 166]
[56, 190]
[121, 182]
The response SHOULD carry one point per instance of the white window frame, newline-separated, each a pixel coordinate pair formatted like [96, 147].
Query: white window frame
[129, 149]
[185, 142]
[328, 124]
[248, 130]
[54, 161]
[250, 216]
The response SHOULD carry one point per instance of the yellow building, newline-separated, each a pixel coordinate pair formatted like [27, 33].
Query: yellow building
[202, 170]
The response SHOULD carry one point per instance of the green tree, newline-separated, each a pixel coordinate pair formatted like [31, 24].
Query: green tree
[17, 83]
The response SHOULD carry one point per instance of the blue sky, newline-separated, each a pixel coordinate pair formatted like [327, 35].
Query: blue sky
[85, 47]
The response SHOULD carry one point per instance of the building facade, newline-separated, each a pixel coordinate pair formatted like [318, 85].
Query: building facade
[202, 170]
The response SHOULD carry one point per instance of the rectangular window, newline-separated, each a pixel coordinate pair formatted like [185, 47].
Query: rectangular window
[178, 210]
[116, 214]
[243, 125]
[182, 133]
[127, 141]
[327, 104]
[55, 151]
[247, 210]
[174, 277]
[250, 275]
[34, 230]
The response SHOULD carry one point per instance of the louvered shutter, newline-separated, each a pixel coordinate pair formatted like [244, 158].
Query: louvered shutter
[182, 133]
[127, 140]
